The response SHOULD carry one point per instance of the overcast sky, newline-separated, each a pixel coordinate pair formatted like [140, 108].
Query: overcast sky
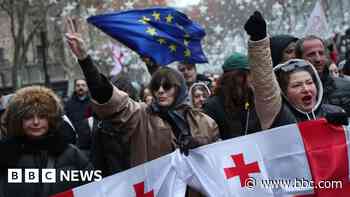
[182, 3]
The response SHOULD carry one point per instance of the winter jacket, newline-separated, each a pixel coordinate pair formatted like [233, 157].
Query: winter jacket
[337, 92]
[273, 109]
[150, 134]
[75, 110]
[47, 152]
[234, 124]
[109, 153]
[146, 129]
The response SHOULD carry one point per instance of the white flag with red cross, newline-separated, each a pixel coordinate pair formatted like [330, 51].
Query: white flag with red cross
[154, 178]
[304, 159]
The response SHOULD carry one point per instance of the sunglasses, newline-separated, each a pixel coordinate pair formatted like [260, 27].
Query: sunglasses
[292, 65]
[165, 85]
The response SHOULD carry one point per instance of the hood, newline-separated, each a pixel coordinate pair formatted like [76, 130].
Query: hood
[277, 44]
[182, 92]
[198, 84]
[32, 99]
[311, 69]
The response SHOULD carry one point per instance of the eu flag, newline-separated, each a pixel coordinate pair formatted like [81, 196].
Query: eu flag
[164, 34]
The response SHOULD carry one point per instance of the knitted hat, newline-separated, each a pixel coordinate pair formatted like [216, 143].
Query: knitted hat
[277, 44]
[236, 61]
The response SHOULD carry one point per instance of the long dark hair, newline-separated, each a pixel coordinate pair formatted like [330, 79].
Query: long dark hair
[233, 87]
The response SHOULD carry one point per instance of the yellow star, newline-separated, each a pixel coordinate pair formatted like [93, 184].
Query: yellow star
[151, 31]
[169, 18]
[156, 16]
[186, 42]
[161, 41]
[145, 20]
[172, 48]
[187, 53]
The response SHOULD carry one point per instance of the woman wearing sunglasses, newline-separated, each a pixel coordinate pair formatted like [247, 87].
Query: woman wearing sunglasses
[289, 93]
[153, 130]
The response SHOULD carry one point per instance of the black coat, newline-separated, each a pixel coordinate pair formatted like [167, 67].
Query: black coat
[110, 150]
[231, 124]
[289, 115]
[76, 110]
[19, 152]
[337, 92]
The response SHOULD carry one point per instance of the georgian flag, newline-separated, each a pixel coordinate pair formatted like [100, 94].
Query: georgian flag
[154, 178]
[304, 159]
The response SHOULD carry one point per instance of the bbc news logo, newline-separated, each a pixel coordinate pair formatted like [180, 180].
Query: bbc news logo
[34, 175]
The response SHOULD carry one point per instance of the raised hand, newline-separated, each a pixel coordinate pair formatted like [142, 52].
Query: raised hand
[75, 40]
[256, 26]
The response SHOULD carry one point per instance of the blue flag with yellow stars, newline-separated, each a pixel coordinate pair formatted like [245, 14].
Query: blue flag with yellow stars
[163, 34]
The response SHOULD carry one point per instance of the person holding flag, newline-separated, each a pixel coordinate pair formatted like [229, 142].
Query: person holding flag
[168, 123]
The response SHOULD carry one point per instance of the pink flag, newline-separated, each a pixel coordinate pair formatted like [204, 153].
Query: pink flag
[117, 58]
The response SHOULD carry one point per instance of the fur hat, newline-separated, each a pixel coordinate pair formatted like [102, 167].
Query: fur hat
[29, 101]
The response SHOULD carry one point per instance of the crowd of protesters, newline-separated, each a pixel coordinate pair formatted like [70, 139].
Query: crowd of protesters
[110, 125]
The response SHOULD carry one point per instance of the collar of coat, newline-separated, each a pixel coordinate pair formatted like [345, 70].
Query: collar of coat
[11, 148]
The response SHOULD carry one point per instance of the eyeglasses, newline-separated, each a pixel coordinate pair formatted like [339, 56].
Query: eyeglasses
[292, 65]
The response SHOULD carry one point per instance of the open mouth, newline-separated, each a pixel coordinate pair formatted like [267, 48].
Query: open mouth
[307, 100]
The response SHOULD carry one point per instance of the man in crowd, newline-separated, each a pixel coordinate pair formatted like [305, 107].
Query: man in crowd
[76, 109]
[336, 91]
[189, 72]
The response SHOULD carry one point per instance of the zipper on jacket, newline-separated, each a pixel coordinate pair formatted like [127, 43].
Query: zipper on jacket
[246, 107]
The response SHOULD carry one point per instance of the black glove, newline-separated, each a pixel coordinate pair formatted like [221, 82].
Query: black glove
[186, 143]
[338, 118]
[256, 26]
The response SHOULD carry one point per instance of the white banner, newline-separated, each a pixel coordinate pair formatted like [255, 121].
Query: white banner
[298, 159]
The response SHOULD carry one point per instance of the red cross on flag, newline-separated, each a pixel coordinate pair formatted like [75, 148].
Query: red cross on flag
[152, 179]
[305, 159]
[241, 169]
[140, 190]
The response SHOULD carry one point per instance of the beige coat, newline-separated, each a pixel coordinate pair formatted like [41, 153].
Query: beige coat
[268, 100]
[149, 135]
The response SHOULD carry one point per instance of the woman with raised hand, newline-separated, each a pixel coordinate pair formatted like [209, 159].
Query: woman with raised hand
[290, 92]
[153, 130]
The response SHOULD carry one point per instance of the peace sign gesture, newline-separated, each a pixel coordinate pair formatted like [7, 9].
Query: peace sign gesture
[74, 39]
